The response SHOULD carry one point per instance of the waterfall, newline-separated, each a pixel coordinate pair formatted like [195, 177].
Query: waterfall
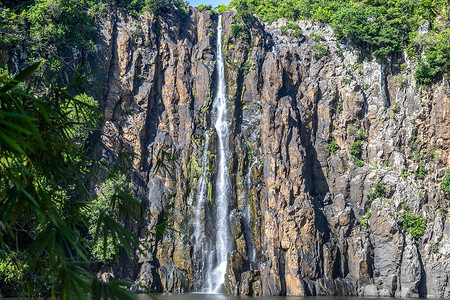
[216, 275]
[199, 207]
[247, 216]
[200, 253]
[211, 247]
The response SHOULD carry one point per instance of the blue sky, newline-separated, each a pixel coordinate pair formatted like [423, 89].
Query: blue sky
[211, 2]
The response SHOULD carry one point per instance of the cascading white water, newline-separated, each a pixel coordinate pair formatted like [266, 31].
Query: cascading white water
[201, 254]
[247, 216]
[216, 275]
[200, 206]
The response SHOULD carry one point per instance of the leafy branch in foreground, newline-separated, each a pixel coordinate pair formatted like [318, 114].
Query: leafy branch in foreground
[44, 198]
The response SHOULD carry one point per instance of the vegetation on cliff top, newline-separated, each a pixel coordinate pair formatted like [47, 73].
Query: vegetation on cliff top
[66, 23]
[381, 28]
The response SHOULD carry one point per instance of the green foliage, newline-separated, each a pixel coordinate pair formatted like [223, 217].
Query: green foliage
[359, 162]
[404, 174]
[401, 80]
[364, 222]
[417, 156]
[386, 164]
[236, 30]
[340, 52]
[203, 7]
[102, 205]
[413, 224]
[437, 58]
[333, 147]
[352, 129]
[443, 209]
[209, 195]
[395, 108]
[445, 185]
[320, 51]
[136, 7]
[340, 106]
[362, 136]
[421, 172]
[293, 26]
[245, 70]
[426, 72]
[70, 23]
[98, 10]
[61, 23]
[412, 142]
[377, 27]
[43, 193]
[183, 13]
[355, 149]
[297, 32]
[380, 28]
[221, 8]
[435, 249]
[317, 37]
[379, 191]
[244, 11]
[432, 153]
[12, 268]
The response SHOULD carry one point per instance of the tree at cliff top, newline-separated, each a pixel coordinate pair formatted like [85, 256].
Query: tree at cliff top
[66, 23]
[46, 208]
[381, 28]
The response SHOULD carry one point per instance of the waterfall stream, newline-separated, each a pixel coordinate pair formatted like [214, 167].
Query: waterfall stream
[216, 275]
[200, 253]
[247, 216]
[211, 251]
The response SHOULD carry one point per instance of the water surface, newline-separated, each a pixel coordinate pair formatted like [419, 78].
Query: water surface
[198, 296]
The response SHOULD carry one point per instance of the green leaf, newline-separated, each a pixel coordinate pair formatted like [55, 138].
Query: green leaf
[20, 77]
[9, 143]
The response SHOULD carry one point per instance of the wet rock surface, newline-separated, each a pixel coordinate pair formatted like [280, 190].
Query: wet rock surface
[315, 225]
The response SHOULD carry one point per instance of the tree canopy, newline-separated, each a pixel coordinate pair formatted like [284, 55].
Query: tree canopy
[381, 28]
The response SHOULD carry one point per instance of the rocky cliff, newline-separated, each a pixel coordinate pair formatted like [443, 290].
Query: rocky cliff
[333, 155]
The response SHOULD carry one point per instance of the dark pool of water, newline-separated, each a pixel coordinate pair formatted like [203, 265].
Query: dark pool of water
[197, 296]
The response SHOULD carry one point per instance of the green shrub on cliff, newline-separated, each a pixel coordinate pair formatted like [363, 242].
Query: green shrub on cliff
[320, 51]
[333, 147]
[378, 191]
[355, 148]
[445, 185]
[413, 224]
[421, 172]
[236, 30]
[436, 46]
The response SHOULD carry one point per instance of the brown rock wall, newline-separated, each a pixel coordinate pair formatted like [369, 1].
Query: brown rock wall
[315, 229]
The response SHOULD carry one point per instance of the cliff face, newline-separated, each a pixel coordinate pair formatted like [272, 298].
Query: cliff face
[300, 125]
